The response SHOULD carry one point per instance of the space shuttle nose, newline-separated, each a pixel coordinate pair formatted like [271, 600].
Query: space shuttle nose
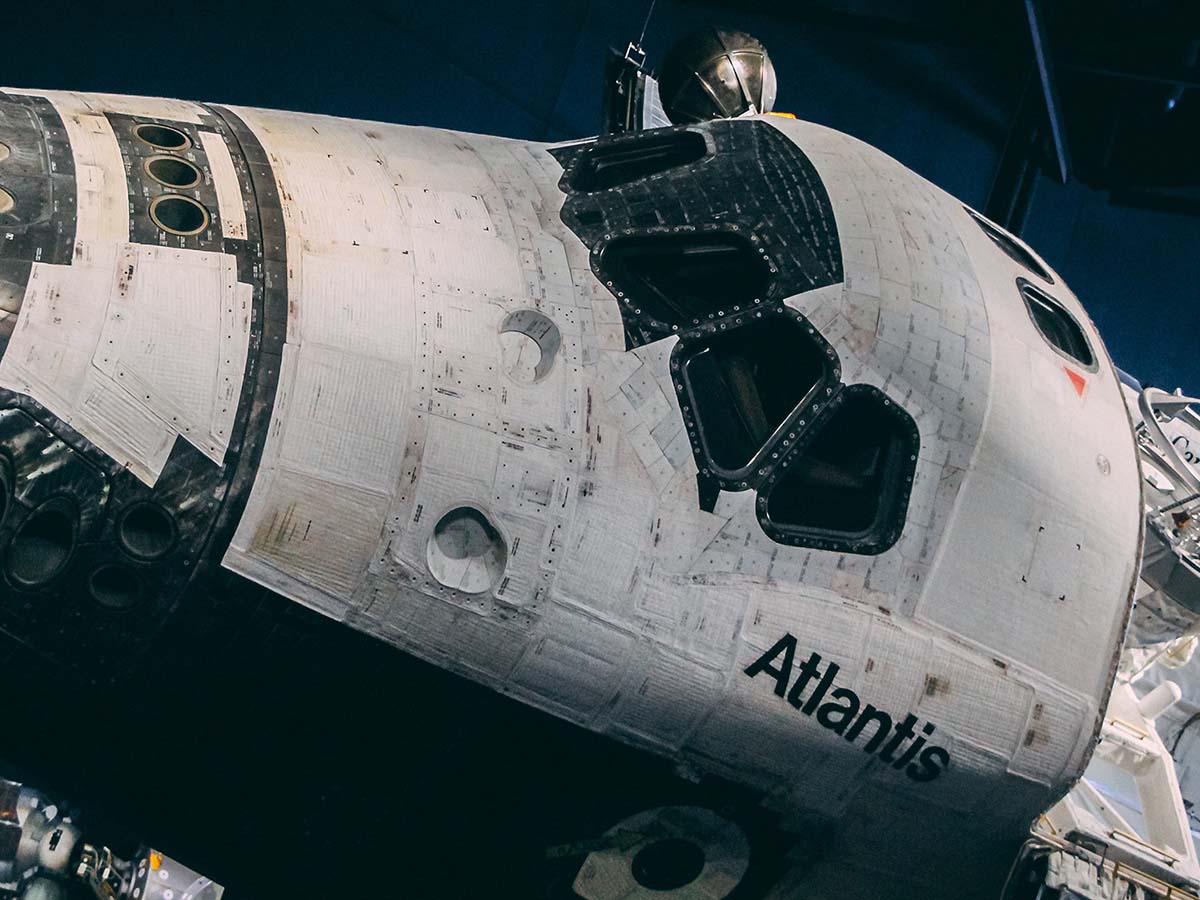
[142, 317]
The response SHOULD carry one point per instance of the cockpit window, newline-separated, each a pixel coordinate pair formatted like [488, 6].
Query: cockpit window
[1056, 325]
[682, 280]
[846, 485]
[743, 386]
[606, 164]
[1013, 248]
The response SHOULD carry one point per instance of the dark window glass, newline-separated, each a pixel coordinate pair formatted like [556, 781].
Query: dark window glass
[1057, 325]
[743, 385]
[606, 165]
[1012, 248]
[681, 279]
[849, 483]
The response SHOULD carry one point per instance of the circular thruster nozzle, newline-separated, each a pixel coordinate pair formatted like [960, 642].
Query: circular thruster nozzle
[146, 531]
[115, 586]
[716, 74]
[42, 545]
[529, 343]
[177, 214]
[162, 137]
[172, 171]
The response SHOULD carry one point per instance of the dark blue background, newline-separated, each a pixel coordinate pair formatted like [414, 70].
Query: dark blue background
[938, 96]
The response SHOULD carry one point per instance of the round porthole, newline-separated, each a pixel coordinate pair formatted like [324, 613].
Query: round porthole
[686, 851]
[6, 201]
[177, 214]
[172, 171]
[668, 864]
[115, 587]
[42, 546]
[529, 343]
[146, 531]
[466, 551]
[163, 137]
[5, 153]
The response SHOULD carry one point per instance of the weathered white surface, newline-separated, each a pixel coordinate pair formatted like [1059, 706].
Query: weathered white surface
[132, 345]
[623, 606]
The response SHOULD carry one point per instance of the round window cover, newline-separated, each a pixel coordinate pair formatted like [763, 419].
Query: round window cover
[146, 531]
[613, 874]
[1156, 478]
[466, 551]
[529, 343]
[115, 586]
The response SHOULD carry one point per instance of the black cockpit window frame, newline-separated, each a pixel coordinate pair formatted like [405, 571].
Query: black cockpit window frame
[893, 483]
[647, 270]
[744, 254]
[816, 365]
[612, 162]
[1011, 246]
[1057, 326]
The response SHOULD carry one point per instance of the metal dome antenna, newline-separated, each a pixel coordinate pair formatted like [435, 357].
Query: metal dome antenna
[717, 74]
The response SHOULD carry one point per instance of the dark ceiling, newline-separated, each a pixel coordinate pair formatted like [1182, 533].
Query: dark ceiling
[939, 85]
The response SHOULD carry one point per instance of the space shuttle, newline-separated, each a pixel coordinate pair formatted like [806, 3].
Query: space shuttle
[733, 440]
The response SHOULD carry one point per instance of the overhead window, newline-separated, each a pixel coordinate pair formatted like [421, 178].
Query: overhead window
[1056, 325]
[743, 386]
[847, 484]
[608, 164]
[1013, 248]
[681, 280]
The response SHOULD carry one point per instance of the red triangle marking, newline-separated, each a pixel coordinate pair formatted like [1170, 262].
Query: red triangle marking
[1076, 379]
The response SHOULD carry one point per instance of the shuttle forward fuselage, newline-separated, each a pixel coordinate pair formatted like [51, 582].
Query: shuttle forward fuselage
[756, 451]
